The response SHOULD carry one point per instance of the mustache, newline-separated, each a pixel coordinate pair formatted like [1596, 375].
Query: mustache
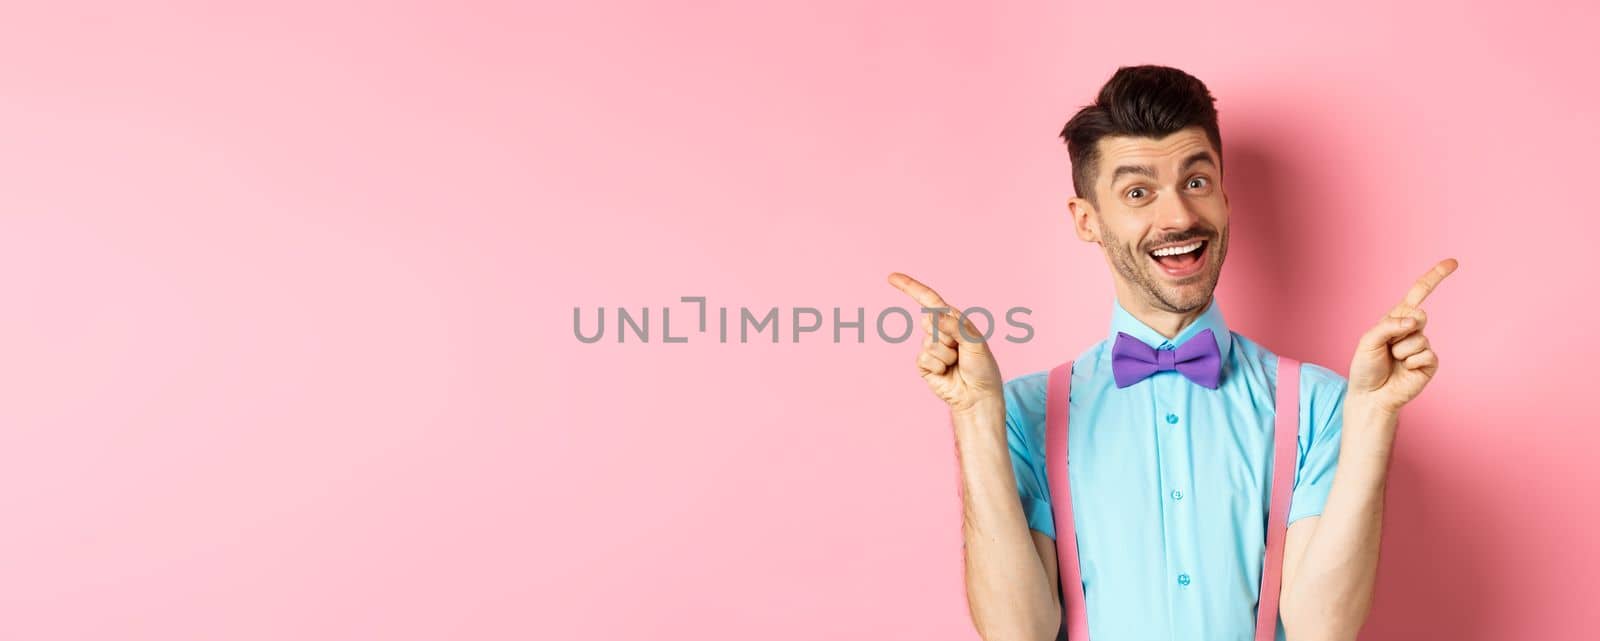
[1179, 238]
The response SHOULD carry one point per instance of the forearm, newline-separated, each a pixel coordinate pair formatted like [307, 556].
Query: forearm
[1332, 591]
[1007, 588]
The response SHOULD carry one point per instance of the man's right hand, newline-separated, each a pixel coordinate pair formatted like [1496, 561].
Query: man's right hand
[958, 367]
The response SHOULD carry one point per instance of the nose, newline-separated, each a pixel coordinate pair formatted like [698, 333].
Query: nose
[1177, 214]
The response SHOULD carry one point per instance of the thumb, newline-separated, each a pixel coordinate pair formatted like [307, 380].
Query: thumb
[1378, 338]
[969, 339]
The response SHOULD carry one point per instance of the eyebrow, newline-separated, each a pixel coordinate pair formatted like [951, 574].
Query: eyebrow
[1197, 157]
[1142, 170]
[1148, 172]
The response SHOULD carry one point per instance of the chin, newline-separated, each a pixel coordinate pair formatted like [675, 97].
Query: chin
[1187, 298]
[1190, 304]
[1187, 294]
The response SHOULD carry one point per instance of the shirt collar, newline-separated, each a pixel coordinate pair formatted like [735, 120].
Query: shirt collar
[1122, 321]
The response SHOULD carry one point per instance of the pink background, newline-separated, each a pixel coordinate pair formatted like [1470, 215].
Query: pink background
[288, 345]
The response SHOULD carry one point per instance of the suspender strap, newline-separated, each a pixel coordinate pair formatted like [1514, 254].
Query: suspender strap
[1286, 435]
[1074, 615]
[1285, 446]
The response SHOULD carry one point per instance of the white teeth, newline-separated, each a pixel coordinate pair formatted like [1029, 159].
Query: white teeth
[1173, 251]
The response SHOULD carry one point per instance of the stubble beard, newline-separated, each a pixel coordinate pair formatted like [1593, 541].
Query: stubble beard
[1137, 268]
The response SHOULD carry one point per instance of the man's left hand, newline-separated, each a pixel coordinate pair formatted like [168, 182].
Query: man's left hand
[1394, 360]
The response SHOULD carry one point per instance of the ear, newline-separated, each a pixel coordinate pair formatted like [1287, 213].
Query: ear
[1084, 221]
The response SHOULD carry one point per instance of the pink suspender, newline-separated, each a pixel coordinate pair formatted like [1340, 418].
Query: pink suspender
[1058, 392]
[1285, 445]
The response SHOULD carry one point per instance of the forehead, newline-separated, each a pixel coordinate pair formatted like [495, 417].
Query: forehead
[1163, 155]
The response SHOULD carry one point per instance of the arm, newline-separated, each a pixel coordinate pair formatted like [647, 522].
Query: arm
[1330, 561]
[1330, 590]
[1008, 578]
[1009, 592]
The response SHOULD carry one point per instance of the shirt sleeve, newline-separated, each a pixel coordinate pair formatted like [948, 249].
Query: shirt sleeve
[1322, 393]
[1025, 403]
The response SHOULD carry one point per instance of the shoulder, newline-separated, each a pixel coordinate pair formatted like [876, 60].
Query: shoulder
[1315, 379]
[1025, 412]
[1025, 397]
[1027, 392]
[1320, 380]
[1322, 392]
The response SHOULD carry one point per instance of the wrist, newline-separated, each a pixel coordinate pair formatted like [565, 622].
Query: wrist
[1369, 427]
[1364, 408]
[987, 411]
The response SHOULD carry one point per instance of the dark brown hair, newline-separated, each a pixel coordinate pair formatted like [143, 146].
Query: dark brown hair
[1144, 100]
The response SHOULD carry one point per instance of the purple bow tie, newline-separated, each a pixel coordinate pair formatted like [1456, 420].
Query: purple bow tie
[1197, 359]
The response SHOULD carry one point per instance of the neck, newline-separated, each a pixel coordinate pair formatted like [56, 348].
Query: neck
[1167, 322]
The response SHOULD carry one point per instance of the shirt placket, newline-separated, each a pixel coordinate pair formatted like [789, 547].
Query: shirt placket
[1175, 466]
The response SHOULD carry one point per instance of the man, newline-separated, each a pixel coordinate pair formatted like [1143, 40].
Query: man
[1171, 472]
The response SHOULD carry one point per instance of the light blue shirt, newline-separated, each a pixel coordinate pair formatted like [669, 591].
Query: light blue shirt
[1171, 481]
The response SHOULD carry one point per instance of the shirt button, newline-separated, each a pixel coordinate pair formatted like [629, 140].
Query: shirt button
[1183, 579]
[1177, 496]
[1172, 419]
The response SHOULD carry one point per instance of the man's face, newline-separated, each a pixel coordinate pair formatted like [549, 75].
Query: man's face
[1160, 194]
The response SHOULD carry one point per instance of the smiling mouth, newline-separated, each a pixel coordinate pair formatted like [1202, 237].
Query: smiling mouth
[1184, 263]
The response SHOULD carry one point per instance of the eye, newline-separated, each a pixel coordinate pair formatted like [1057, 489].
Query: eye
[1199, 182]
[1136, 193]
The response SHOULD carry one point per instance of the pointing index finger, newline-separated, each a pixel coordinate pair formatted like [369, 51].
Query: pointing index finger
[918, 291]
[1430, 280]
